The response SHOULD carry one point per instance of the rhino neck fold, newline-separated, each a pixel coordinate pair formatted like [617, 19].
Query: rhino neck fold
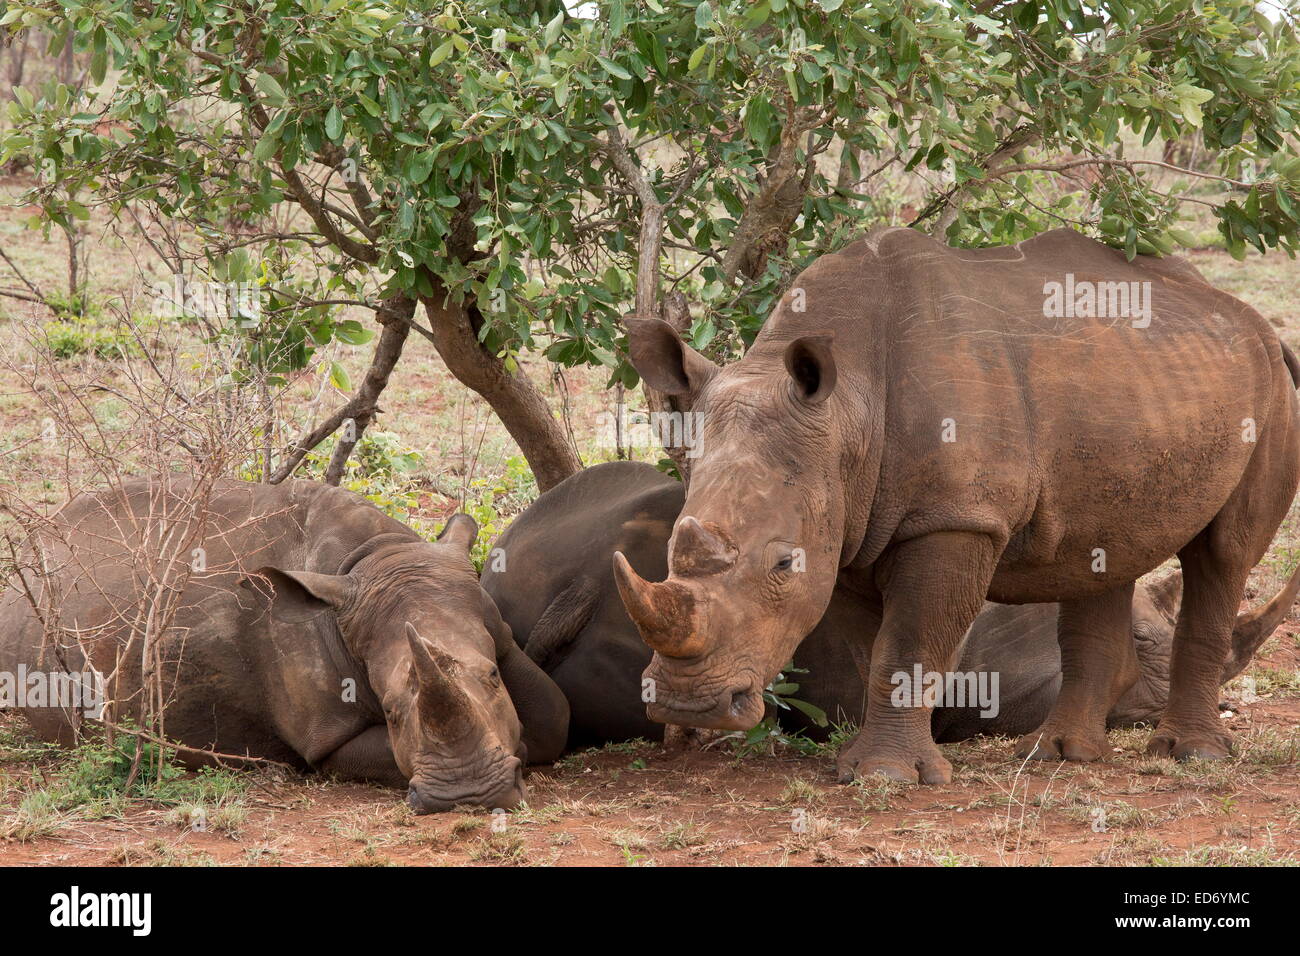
[350, 665]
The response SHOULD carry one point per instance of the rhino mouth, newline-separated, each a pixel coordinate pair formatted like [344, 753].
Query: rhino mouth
[505, 790]
[739, 707]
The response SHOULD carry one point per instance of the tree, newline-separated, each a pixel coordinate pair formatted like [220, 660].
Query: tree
[528, 175]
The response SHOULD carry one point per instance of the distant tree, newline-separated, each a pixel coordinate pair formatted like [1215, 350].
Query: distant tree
[529, 175]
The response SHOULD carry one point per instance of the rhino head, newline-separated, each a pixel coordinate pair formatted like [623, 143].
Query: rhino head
[413, 616]
[754, 556]
[1155, 614]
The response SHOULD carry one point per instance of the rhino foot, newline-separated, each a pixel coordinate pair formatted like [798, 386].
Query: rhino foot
[1203, 745]
[926, 765]
[1050, 743]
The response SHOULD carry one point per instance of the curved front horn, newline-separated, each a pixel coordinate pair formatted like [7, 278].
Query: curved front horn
[442, 704]
[664, 613]
[1255, 626]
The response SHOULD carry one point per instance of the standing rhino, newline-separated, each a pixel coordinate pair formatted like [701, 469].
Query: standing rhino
[557, 593]
[924, 427]
[317, 631]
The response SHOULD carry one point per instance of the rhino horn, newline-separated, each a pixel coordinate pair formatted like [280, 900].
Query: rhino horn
[1255, 626]
[697, 550]
[443, 706]
[664, 613]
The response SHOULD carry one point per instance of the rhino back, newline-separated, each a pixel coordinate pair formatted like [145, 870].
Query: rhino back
[558, 559]
[926, 334]
[240, 679]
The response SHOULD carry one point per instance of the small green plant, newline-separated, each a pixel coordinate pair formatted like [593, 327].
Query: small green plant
[382, 455]
[630, 858]
[768, 733]
[91, 782]
[493, 502]
[379, 469]
[80, 305]
[69, 338]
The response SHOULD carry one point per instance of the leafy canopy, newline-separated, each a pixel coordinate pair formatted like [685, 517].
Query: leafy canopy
[469, 148]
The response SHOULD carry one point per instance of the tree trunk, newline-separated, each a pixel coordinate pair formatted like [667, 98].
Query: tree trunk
[515, 399]
[676, 313]
[394, 317]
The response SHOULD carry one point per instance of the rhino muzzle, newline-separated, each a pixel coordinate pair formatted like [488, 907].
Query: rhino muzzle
[737, 706]
[506, 792]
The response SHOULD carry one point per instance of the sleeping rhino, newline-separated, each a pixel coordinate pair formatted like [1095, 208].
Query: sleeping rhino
[557, 592]
[313, 630]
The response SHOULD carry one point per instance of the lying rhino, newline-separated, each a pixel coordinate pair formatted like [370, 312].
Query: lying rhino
[556, 590]
[924, 428]
[316, 631]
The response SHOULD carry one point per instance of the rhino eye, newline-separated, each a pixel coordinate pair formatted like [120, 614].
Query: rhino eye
[494, 677]
[785, 564]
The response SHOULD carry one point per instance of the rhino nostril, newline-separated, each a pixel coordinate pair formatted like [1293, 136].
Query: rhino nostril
[738, 700]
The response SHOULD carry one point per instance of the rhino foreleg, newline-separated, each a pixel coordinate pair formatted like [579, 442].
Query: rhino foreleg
[367, 756]
[932, 589]
[1098, 665]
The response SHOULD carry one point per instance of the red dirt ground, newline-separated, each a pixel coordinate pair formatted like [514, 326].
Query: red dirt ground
[639, 805]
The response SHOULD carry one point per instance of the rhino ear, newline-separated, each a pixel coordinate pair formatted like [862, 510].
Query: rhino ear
[502, 637]
[1166, 593]
[461, 530]
[666, 363]
[301, 590]
[811, 365]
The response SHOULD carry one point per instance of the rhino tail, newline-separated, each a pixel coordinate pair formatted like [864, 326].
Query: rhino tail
[1255, 626]
[561, 622]
[1292, 364]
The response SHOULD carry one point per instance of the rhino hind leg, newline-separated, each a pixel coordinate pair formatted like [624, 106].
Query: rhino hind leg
[1190, 727]
[1216, 564]
[924, 617]
[1098, 665]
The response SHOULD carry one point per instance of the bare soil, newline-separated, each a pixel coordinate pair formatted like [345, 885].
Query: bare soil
[638, 805]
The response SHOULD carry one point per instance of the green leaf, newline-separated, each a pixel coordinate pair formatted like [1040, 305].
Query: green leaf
[812, 711]
[266, 146]
[99, 59]
[553, 29]
[334, 123]
[270, 87]
[613, 69]
[420, 166]
[441, 53]
[339, 377]
[703, 16]
[352, 332]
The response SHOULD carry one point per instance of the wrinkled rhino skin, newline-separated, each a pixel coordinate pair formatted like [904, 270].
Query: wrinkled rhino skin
[918, 427]
[308, 587]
